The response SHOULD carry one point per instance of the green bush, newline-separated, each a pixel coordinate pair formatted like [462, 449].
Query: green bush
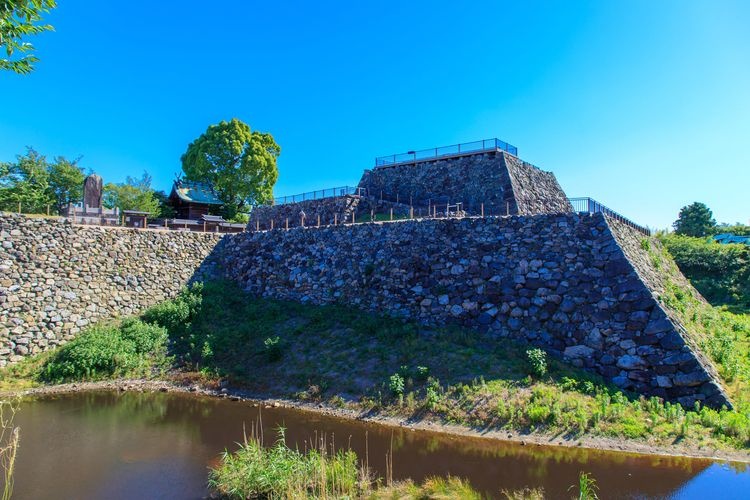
[97, 353]
[721, 273]
[537, 359]
[146, 338]
[396, 384]
[176, 315]
[273, 348]
[106, 351]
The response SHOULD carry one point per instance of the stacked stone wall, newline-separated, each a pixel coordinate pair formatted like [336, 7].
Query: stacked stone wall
[562, 282]
[578, 285]
[56, 278]
[329, 210]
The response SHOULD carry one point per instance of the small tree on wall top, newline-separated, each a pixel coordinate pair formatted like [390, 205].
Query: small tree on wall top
[239, 163]
[695, 219]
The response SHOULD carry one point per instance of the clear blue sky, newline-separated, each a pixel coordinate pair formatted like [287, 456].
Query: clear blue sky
[643, 105]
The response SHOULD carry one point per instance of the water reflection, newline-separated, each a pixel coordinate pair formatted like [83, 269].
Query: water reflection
[133, 445]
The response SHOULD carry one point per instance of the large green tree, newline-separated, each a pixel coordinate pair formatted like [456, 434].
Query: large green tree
[20, 19]
[65, 182]
[38, 185]
[239, 163]
[25, 184]
[695, 219]
[133, 194]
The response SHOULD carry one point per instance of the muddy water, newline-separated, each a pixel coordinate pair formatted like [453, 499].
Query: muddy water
[108, 445]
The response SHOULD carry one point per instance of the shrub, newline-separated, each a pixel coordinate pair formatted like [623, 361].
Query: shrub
[396, 384]
[273, 347]
[537, 359]
[422, 373]
[146, 338]
[177, 314]
[96, 353]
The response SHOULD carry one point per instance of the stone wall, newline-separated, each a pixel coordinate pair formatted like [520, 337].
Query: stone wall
[500, 181]
[581, 286]
[56, 279]
[562, 282]
[330, 210]
[535, 191]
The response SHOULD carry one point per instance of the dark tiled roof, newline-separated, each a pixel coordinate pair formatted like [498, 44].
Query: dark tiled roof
[195, 192]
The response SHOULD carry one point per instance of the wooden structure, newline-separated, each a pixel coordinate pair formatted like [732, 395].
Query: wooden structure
[193, 200]
[135, 218]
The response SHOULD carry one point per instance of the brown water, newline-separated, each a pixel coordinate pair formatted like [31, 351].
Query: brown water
[108, 445]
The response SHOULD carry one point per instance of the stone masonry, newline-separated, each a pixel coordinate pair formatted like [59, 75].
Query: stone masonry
[502, 182]
[563, 282]
[56, 278]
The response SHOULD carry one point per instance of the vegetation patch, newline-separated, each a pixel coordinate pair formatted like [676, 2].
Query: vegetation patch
[348, 358]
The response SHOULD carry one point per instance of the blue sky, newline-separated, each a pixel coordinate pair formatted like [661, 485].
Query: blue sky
[642, 105]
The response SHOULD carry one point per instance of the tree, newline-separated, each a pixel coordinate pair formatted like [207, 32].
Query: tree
[695, 219]
[65, 182]
[239, 163]
[166, 210]
[133, 194]
[26, 182]
[19, 19]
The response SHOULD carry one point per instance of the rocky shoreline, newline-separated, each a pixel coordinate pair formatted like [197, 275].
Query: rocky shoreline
[530, 439]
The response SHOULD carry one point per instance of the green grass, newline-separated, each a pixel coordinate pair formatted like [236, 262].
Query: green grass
[279, 472]
[349, 358]
[720, 333]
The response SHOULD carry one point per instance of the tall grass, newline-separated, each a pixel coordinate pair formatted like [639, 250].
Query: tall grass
[281, 472]
[9, 438]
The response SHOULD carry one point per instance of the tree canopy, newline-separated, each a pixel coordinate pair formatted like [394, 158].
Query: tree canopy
[18, 20]
[37, 184]
[133, 194]
[239, 163]
[695, 219]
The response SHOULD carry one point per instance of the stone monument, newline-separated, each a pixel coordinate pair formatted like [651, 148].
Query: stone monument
[92, 192]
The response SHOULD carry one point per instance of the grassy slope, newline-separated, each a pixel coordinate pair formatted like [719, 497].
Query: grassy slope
[346, 358]
[720, 333]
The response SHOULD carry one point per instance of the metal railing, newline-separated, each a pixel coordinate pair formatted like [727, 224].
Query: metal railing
[591, 206]
[318, 195]
[454, 150]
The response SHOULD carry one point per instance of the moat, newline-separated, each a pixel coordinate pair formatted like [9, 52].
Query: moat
[112, 445]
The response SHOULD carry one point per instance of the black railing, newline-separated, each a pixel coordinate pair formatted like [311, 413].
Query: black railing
[317, 195]
[591, 206]
[454, 150]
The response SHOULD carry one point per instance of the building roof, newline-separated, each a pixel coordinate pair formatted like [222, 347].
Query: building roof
[194, 192]
[731, 238]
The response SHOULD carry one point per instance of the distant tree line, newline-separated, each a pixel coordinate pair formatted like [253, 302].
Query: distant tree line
[238, 163]
[720, 272]
[35, 185]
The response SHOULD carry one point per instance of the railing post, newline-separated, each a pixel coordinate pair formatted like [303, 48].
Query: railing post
[391, 214]
[287, 223]
[481, 208]
[271, 224]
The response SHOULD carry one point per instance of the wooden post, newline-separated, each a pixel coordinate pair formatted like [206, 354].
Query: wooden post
[145, 222]
[301, 221]
[318, 220]
[391, 214]
[434, 211]
[47, 210]
[411, 212]
[287, 223]
[257, 224]
[271, 224]
[481, 207]
[335, 219]
[19, 208]
[204, 226]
